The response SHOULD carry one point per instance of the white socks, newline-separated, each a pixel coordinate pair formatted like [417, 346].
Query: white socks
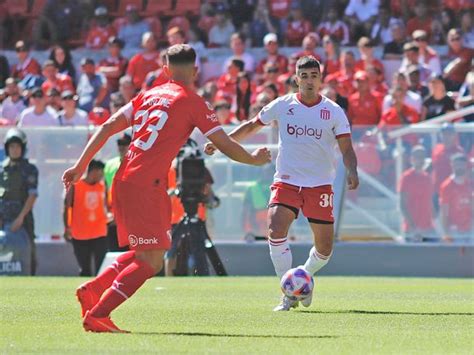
[280, 253]
[315, 261]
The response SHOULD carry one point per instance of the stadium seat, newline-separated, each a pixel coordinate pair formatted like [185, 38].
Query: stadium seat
[188, 7]
[122, 6]
[158, 7]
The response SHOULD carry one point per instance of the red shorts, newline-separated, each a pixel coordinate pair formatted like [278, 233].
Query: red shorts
[315, 202]
[143, 216]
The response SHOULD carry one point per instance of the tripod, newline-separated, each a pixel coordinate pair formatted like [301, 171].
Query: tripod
[193, 240]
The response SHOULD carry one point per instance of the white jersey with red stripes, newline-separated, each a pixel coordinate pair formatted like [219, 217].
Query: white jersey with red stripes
[307, 139]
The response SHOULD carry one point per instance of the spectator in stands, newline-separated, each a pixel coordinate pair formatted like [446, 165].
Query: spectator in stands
[143, 63]
[85, 219]
[411, 57]
[467, 29]
[460, 56]
[226, 84]
[270, 76]
[394, 49]
[13, 105]
[4, 70]
[54, 99]
[220, 33]
[364, 106]
[54, 79]
[416, 205]
[438, 102]
[207, 18]
[61, 56]
[237, 45]
[427, 55]
[99, 34]
[39, 113]
[298, 26]
[411, 98]
[270, 41]
[415, 85]
[309, 45]
[127, 90]
[92, 87]
[382, 29]
[366, 49]
[330, 92]
[243, 96]
[26, 64]
[421, 20]
[157, 77]
[331, 55]
[224, 114]
[360, 15]
[376, 81]
[334, 27]
[399, 113]
[59, 22]
[261, 25]
[131, 32]
[196, 40]
[114, 66]
[345, 75]
[175, 35]
[290, 70]
[440, 157]
[71, 115]
[279, 10]
[466, 94]
[98, 116]
[456, 201]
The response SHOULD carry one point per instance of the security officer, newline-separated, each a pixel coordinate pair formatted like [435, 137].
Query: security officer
[18, 188]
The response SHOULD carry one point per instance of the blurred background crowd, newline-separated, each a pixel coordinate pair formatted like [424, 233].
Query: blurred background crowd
[387, 63]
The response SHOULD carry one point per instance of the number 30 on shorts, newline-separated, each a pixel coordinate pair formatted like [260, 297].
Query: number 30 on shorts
[152, 127]
[326, 200]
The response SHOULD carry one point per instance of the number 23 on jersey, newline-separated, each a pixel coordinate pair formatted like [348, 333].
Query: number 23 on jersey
[143, 117]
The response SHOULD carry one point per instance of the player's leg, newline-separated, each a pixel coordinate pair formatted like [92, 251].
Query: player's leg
[83, 256]
[279, 221]
[320, 253]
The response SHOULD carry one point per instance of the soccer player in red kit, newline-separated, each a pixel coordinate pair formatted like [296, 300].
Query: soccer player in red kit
[310, 126]
[162, 120]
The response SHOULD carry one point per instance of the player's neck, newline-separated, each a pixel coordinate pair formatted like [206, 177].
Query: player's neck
[309, 100]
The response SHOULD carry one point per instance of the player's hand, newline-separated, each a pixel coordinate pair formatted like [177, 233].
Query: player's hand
[352, 180]
[261, 156]
[209, 148]
[67, 235]
[17, 223]
[71, 176]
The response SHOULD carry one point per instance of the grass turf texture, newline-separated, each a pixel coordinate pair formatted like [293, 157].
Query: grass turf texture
[234, 315]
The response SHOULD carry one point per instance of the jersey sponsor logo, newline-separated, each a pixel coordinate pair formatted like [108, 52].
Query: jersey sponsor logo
[135, 241]
[325, 114]
[211, 117]
[209, 106]
[290, 111]
[164, 91]
[297, 131]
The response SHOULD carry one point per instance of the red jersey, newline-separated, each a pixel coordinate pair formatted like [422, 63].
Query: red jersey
[415, 23]
[331, 66]
[162, 120]
[345, 83]
[279, 8]
[279, 60]
[338, 30]
[296, 30]
[98, 36]
[364, 110]
[29, 66]
[418, 189]
[457, 5]
[363, 65]
[440, 159]
[390, 116]
[62, 83]
[155, 78]
[120, 64]
[459, 200]
[140, 65]
[465, 54]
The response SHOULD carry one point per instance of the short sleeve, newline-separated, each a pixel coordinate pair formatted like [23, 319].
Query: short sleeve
[31, 179]
[205, 118]
[342, 128]
[268, 113]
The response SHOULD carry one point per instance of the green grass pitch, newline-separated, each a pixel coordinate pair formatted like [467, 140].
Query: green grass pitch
[349, 315]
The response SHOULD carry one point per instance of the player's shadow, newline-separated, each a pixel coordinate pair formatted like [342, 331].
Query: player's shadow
[357, 311]
[203, 334]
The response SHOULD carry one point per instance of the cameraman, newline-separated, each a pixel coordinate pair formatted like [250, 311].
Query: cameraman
[177, 209]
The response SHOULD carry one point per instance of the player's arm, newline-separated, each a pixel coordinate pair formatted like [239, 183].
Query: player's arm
[350, 161]
[116, 123]
[239, 134]
[235, 151]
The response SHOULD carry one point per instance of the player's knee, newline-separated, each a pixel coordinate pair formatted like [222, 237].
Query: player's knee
[153, 257]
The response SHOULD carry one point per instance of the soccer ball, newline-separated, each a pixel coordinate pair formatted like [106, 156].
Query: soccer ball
[297, 283]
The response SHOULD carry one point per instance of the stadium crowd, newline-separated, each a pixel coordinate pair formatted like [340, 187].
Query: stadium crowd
[432, 40]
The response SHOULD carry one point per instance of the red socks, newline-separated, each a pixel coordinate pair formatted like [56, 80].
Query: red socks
[124, 286]
[103, 281]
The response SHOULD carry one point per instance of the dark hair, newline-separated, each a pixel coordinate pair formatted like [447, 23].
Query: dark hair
[95, 165]
[49, 62]
[272, 87]
[181, 54]
[238, 35]
[308, 61]
[116, 41]
[66, 67]
[243, 98]
[239, 63]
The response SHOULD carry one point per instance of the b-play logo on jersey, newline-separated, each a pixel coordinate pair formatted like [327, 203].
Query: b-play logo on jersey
[290, 111]
[325, 114]
[135, 241]
[294, 130]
